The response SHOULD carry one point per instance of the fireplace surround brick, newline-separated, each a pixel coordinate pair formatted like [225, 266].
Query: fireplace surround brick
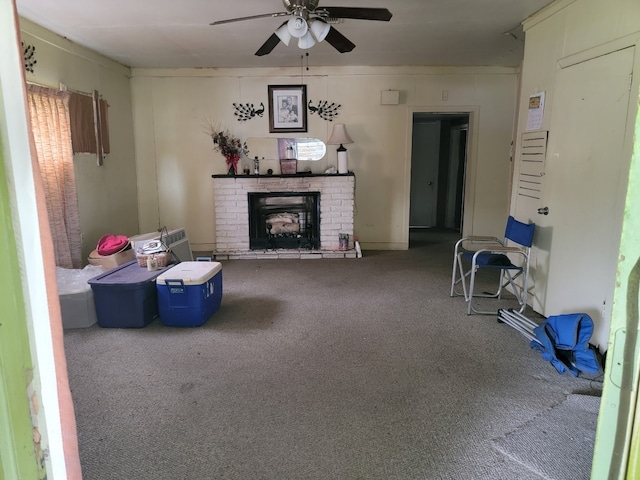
[337, 195]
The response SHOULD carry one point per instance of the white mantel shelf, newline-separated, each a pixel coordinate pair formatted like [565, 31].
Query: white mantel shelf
[337, 198]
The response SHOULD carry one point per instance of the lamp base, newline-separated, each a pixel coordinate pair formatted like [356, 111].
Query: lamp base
[342, 162]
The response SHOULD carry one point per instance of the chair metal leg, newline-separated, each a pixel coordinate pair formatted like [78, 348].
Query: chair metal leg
[463, 277]
[506, 281]
[519, 322]
[491, 255]
[453, 273]
[519, 293]
[455, 280]
[472, 281]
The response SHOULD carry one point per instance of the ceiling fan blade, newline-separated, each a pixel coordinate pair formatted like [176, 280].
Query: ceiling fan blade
[381, 14]
[339, 41]
[251, 17]
[269, 45]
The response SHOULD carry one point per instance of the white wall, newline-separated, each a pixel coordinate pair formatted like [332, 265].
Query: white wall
[565, 33]
[168, 172]
[107, 195]
[564, 29]
[162, 161]
[175, 158]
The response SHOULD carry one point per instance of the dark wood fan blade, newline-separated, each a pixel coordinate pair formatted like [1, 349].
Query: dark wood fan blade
[381, 14]
[269, 45]
[339, 41]
[252, 17]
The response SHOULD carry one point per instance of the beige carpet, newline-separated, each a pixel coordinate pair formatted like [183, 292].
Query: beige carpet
[557, 444]
[314, 369]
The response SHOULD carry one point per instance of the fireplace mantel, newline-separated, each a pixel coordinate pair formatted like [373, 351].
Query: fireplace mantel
[337, 195]
[300, 174]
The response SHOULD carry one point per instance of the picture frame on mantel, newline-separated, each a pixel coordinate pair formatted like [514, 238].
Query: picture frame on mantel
[287, 108]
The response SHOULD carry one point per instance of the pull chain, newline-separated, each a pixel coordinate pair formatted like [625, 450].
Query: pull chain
[302, 67]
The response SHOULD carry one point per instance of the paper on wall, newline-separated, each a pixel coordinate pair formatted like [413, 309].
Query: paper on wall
[535, 111]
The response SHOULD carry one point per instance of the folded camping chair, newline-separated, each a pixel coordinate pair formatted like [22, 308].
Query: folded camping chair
[509, 256]
[562, 340]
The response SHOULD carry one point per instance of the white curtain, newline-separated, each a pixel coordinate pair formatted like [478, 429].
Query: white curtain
[49, 111]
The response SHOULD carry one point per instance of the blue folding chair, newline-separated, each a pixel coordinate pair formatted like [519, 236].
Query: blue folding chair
[510, 257]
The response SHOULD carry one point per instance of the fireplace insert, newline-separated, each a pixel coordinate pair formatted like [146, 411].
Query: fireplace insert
[284, 220]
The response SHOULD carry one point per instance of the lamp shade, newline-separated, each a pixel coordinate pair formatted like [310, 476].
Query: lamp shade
[319, 29]
[297, 27]
[339, 135]
[306, 41]
[283, 33]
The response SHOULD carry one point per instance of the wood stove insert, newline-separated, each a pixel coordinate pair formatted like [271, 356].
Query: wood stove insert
[284, 220]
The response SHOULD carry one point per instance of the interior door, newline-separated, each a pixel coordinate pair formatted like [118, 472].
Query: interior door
[425, 157]
[455, 175]
[584, 189]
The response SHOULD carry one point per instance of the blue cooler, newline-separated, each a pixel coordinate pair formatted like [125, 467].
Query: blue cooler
[189, 293]
[126, 297]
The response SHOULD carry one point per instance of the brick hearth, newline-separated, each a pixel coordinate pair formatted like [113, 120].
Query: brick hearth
[337, 193]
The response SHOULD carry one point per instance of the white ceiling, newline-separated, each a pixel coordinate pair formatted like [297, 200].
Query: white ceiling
[168, 33]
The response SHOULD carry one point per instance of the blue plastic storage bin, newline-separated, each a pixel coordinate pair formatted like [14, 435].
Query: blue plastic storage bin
[126, 297]
[189, 293]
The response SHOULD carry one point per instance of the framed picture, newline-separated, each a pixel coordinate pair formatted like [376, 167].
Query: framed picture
[287, 108]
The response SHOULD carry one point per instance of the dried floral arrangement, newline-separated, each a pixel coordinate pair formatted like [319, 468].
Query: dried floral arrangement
[232, 148]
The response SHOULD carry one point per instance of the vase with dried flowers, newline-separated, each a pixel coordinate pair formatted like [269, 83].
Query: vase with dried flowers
[232, 148]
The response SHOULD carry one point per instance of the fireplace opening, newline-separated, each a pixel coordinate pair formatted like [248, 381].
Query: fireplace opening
[286, 220]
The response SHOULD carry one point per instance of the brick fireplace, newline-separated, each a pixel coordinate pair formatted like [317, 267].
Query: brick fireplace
[335, 193]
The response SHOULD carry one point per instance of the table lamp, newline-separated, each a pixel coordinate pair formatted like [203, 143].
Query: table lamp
[339, 136]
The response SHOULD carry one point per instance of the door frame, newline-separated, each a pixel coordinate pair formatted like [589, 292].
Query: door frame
[54, 420]
[468, 189]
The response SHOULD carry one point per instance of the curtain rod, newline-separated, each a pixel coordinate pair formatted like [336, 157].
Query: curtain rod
[62, 87]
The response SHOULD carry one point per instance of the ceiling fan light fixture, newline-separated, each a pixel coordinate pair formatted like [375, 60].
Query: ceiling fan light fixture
[310, 24]
[319, 29]
[283, 33]
[306, 41]
[297, 26]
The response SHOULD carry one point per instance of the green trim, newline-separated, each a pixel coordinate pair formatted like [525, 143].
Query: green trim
[632, 215]
[617, 446]
[18, 457]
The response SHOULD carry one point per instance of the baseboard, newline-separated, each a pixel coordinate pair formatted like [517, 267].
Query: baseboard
[384, 246]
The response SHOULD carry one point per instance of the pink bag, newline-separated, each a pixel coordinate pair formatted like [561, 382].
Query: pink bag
[111, 243]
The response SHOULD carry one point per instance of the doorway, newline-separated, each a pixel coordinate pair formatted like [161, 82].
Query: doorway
[438, 162]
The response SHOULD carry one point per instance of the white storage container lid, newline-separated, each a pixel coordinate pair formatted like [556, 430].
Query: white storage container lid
[191, 273]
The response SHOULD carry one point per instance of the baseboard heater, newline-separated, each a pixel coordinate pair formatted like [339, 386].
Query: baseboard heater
[176, 240]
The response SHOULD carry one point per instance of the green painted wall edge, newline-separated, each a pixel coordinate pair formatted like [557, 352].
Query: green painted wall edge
[617, 447]
[633, 237]
[17, 452]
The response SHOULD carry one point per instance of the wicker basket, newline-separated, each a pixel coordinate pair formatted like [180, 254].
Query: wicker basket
[162, 258]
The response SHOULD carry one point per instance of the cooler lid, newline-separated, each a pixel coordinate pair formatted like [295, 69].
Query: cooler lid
[129, 273]
[191, 273]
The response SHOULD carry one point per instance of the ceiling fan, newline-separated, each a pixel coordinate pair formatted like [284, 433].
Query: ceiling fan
[310, 24]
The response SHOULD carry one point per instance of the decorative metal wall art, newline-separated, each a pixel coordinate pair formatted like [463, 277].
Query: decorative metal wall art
[246, 111]
[325, 110]
[29, 52]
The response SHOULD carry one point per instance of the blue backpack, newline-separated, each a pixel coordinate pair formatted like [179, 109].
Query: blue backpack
[563, 340]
